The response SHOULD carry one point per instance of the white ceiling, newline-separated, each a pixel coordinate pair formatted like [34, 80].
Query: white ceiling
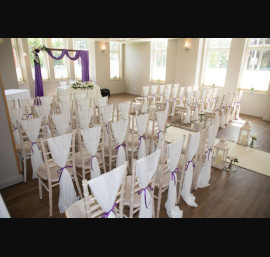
[125, 40]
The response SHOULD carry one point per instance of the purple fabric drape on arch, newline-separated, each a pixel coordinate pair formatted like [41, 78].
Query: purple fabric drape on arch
[79, 53]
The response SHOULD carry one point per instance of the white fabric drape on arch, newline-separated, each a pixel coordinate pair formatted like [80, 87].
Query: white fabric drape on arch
[85, 118]
[145, 170]
[205, 173]
[119, 130]
[188, 170]
[124, 109]
[16, 114]
[32, 129]
[60, 148]
[141, 122]
[106, 187]
[174, 154]
[61, 122]
[91, 137]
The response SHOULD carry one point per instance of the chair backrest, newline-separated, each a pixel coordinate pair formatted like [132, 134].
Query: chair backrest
[123, 110]
[85, 118]
[96, 204]
[105, 114]
[181, 92]
[45, 99]
[11, 104]
[61, 123]
[103, 101]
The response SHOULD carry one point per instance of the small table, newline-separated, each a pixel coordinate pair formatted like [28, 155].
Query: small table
[94, 93]
[15, 94]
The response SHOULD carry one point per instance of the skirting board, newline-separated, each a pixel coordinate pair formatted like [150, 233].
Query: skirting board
[11, 181]
[255, 115]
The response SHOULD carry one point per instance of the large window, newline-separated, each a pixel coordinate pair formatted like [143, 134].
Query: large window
[17, 59]
[60, 66]
[79, 44]
[217, 55]
[115, 60]
[255, 71]
[158, 60]
[36, 42]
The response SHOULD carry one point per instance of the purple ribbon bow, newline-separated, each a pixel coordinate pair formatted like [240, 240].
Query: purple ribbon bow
[117, 147]
[160, 131]
[140, 139]
[106, 215]
[91, 159]
[106, 126]
[61, 171]
[32, 146]
[173, 175]
[208, 151]
[188, 164]
[144, 189]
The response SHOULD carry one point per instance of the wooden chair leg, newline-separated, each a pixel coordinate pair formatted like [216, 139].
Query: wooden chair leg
[50, 200]
[40, 188]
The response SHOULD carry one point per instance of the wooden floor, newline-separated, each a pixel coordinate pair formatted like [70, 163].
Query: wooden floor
[243, 194]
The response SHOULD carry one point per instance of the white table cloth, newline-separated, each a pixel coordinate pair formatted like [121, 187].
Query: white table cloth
[17, 94]
[95, 92]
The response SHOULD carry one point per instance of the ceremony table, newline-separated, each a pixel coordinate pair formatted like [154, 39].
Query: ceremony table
[16, 94]
[94, 93]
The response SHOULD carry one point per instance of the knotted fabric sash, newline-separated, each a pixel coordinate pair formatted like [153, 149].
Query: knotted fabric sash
[173, 175]
[144, 190]
[32, 146]
[188, 164]
[208, 151]
[117, 147]
[140, 139]
[160, 131]
[91, 160]
[61, 171]
[105, 215]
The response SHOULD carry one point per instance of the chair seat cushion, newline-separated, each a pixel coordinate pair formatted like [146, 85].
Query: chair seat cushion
[76, 210]
[27, 147]
[42, 171]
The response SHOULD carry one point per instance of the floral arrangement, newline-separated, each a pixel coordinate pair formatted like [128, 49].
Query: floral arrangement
[82, 85]
[232, 159]
[213, 85]
[35, 50]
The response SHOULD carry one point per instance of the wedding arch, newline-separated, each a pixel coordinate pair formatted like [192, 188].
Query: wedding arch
[84, 55]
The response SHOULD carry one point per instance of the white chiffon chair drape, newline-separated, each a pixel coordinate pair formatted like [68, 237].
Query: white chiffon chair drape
[145, 96]
[174, 154]
[61, 122]
[32, 129]
[105, 188]
[91, 138]
[46, 99]
[142, 122]
[106, 113]
[119, 130]
[16, 114]
[84, 117]
[188, 197]
[60, 149]
[205, 173]
[124, 109]
[146, 169]
[161, 122]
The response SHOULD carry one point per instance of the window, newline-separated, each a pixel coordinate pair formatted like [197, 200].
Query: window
[79, 44]
[158, 60]
[17, 59]
[217, 55]
[115, 57]
[36, 42]
[60, 66]
[255, 71]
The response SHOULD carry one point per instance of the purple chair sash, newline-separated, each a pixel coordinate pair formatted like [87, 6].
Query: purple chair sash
[91, 160]
[173, 175]
[208, 151]
[32, 146]
[117, 147]
[160, 131]
[61, 171]
[106, 215]
[188, 164]
[143, 190]
[140, 139]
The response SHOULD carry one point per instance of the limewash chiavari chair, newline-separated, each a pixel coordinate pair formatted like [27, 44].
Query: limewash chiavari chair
[11, 104]
[45, 99]
[90, 156]
[166, 177]
[199, 156]
[153, 94]
[26, 105]
[123, 110]
[160, 95]
[233, 106]
[139, 194]
[59, 169]
[101, 203]
[31, 132]
[144, 99]
[16, 114]
[238, 105]
[204, 167]
[61, 123]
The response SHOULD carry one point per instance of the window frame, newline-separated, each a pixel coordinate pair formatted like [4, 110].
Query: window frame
[17, 59]
[247, 49]
[119, 53]
[154, 52]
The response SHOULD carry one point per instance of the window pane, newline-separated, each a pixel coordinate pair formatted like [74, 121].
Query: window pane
[36, 42]
[265, 63]
[253, 57]
[223, 59]
[213, 60]
[267, 41]
[114, 46]
[255, 41]
[16, 60]
[225, 42]
[160, 45]
[60, 66]
[214, 42]
[114, 60]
